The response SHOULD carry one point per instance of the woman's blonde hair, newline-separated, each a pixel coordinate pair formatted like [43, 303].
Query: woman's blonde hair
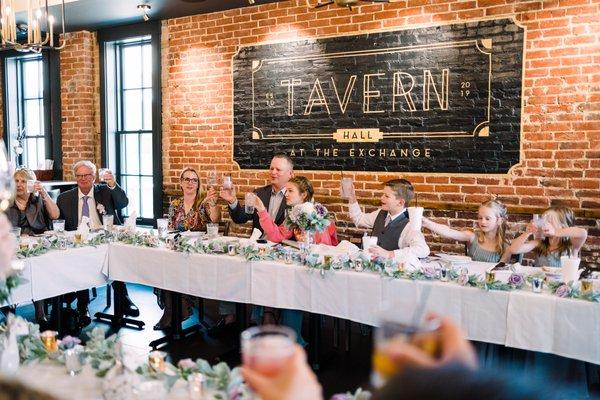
[198, 199]
[500, 212]
[563, 217]
[25, 173]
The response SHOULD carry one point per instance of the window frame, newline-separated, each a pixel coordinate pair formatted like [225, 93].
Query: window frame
[51, 115]
[111, 152]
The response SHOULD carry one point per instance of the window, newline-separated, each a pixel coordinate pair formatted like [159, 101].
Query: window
[131, 117]
[25, 110]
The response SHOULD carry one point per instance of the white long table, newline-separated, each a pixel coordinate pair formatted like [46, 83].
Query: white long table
[521, 319]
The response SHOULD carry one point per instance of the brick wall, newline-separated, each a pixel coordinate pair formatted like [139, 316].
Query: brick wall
[79, 98]
[561, 115]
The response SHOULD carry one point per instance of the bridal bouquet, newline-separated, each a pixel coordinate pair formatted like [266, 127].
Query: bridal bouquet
[308, 217]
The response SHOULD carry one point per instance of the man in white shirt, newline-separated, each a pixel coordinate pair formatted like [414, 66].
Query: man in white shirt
[395, 236]
[93, 201]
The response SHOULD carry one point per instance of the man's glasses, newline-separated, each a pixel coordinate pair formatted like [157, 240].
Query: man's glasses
[188, 180]
[83, 176]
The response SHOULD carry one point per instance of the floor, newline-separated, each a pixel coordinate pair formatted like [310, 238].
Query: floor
[339, 371]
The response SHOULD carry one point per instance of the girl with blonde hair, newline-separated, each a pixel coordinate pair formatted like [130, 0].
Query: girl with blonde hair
[561, 238]
[487, 243]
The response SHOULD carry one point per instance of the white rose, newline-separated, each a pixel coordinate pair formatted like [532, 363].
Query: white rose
[308, 208]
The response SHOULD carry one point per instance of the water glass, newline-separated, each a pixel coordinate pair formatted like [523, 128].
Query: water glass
[227, 182]
[108, 221]
[30, 185]
[101, 173]
[267, 349]
[212, 180]
[212, 230]
[539, 221]
[249, 203]
[346, 187]
[394, 328]
[162, 224]
[368, 241]
[73, 361]
[58, 225]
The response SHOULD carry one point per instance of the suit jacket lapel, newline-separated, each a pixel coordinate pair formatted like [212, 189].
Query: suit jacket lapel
[75, 208]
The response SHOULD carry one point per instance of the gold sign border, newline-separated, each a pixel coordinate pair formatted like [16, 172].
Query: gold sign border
[481, 130]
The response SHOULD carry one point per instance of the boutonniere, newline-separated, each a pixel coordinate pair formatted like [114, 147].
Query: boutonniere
[101, 209]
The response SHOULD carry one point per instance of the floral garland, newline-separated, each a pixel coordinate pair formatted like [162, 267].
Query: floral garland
[313, 262]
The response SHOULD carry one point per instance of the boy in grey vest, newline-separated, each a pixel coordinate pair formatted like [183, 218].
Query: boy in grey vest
[396, 238]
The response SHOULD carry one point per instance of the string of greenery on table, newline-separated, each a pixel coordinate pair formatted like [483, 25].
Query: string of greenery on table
[387, 268]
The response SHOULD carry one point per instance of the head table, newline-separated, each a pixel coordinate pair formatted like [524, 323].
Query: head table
[518, 318]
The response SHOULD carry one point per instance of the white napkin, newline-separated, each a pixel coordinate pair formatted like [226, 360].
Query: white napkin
[84, 227]
[256, 234]
[130, 222]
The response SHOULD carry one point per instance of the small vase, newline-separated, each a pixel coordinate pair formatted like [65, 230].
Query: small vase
[9, 360]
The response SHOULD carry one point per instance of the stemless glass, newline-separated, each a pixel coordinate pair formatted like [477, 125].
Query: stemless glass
[162, 224]
[346, 187]
[58, 225]
[539, 221]
[108, 221]
[212, 230]
[249, 203]
[267, 348]
[227, 182]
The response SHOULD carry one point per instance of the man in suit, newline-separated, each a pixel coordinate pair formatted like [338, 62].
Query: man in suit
[273, 197]
[93, 201]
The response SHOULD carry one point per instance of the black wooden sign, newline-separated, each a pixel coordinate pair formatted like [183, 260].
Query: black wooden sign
[439, 99]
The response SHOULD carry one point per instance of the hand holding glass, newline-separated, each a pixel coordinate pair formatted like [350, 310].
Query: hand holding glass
[267, 349]
[249, 203]
[539, 221]
[346, 187]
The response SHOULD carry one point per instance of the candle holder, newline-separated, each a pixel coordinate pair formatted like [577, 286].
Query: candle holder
[358, 265]
[537, 284]
[156, 359]
[195, 382]
[262, 251]
[49, 340]
[490, 277]
[327, 262]
[232, 249]
[444, 273]
[587, 286]
[289, 257]
[73, 361]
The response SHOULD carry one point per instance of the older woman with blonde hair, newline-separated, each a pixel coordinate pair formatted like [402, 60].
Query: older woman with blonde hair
[32, 212]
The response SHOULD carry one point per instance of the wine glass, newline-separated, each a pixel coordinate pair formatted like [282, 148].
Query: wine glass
[7, 183]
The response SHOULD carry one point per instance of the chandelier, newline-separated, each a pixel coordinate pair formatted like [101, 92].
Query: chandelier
[37, 34]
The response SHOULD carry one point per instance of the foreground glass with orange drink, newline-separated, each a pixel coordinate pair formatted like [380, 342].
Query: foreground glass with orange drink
[267, 349]
[398, 329]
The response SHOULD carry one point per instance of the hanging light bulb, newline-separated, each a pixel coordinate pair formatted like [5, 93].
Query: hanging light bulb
[40, 27]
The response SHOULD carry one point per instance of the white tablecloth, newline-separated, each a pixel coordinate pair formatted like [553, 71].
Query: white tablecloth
[539, 322]
[521, 319]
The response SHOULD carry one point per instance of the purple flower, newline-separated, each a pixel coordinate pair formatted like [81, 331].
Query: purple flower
[321, 211]
[563, 291]
[186, 363]
[235, 393]
[515, 280]
[339, 396]
[68, 342]
[429, 272]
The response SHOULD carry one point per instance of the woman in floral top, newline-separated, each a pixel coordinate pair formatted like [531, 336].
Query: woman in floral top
[190, 212]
